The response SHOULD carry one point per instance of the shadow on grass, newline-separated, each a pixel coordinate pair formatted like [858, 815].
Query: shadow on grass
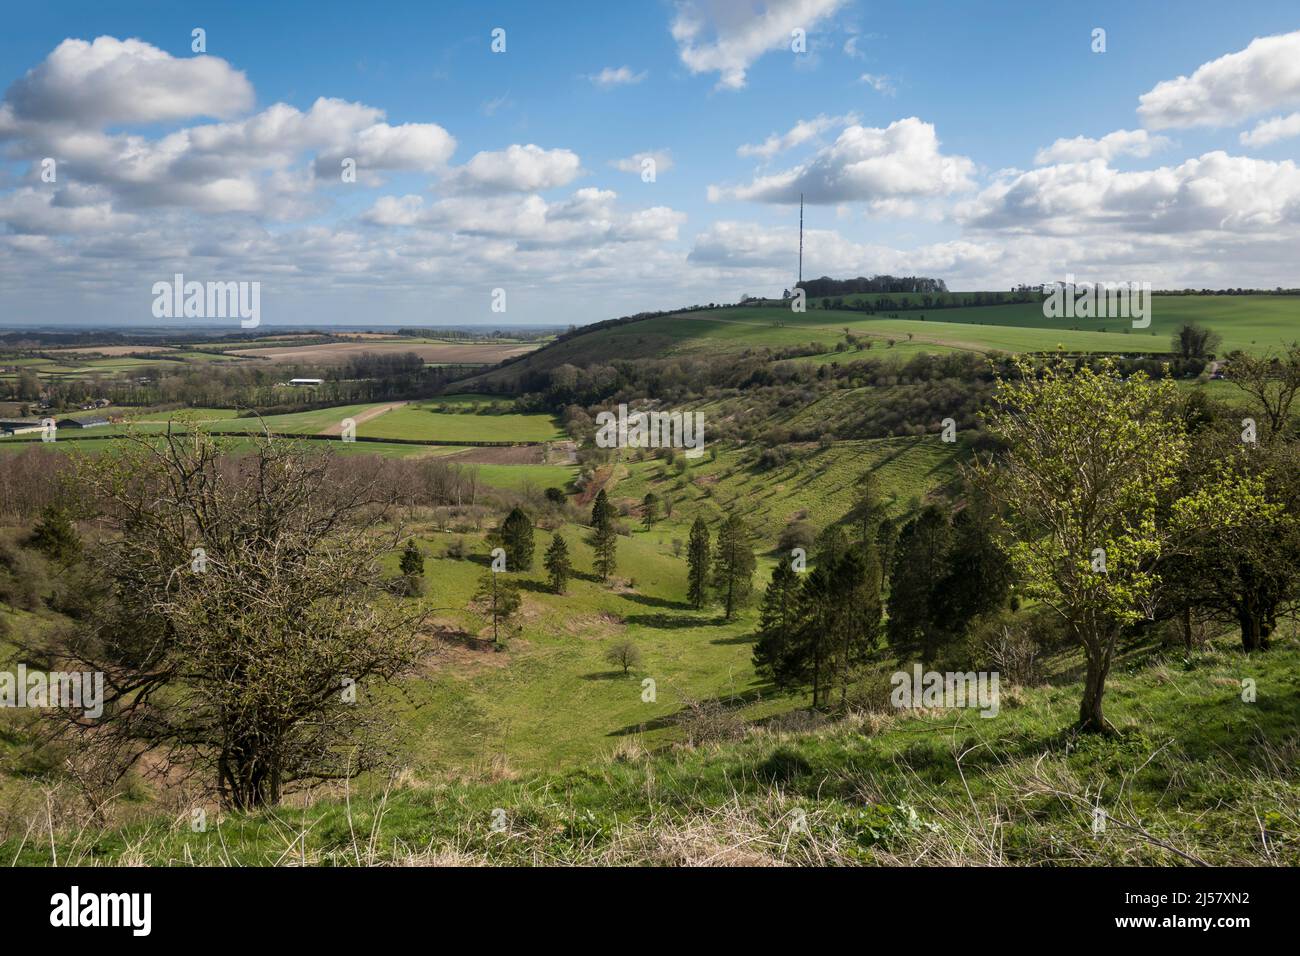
[730, 703]
[650, 601]
[459, 638]
[535, 587]
[747, 637]
[670, 622]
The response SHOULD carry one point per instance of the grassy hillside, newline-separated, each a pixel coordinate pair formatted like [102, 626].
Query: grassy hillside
[923, 788]
[1251, 323]
[551, 699]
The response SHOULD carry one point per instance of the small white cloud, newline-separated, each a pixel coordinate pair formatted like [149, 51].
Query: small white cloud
[801, 132]
[741, 32]
[663, 161]
[517, 169]
[491, 106]
[622, 76]
[1122, 142]
[881, 84]
[1272, 130]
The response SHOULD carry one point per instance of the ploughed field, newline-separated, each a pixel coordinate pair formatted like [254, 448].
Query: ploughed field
[438, 353]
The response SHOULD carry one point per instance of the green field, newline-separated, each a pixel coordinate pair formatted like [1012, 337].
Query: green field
[297, 423]
[1246, 322]
[421, 422]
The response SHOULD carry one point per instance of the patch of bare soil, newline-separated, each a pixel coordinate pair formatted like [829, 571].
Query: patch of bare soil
[599, 479]
[594, 627]
[336, 353]
[511, 455]
[115, 351]
[453, 647]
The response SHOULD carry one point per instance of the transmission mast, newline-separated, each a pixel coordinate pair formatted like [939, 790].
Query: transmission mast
[801, 237]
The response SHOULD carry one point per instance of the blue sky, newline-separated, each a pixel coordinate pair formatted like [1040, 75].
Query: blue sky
[923, 134]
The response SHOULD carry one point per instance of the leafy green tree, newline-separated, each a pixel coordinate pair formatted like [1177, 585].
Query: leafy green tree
[1193, 341]
[516, 535]
[697, 564]
[235, 669]
[649, 510]
[733, 565]
[1238, 523]
[1272, 382]
[1087, 460]
[557, 563]
[623, 653]
[1239, 535]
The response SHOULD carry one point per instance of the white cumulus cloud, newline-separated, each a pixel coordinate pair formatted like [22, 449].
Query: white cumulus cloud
[801, 132]
[1271, 130]
[111, 81]
[727, 36]
[1229, 90]
[1122, 142]
[517, 169]
[864, 164]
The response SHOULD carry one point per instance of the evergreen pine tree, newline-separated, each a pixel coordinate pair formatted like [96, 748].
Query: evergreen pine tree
[499, 598]
[516, 534]
[602, 512]
[56, 537]
[557, 563]
[778, 620]
[650, 510]
[733, 565]
[697, 565]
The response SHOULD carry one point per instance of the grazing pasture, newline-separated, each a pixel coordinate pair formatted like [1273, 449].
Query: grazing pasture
[423, 422]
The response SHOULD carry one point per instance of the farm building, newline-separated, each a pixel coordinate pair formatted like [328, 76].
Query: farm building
[20, 426]
[307, 381]
[86, 421]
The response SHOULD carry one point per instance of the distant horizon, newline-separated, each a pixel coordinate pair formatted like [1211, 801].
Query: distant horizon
[228, 330]
[232, 328]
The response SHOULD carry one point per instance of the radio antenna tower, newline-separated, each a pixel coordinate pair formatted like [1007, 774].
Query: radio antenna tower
[801, 237]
